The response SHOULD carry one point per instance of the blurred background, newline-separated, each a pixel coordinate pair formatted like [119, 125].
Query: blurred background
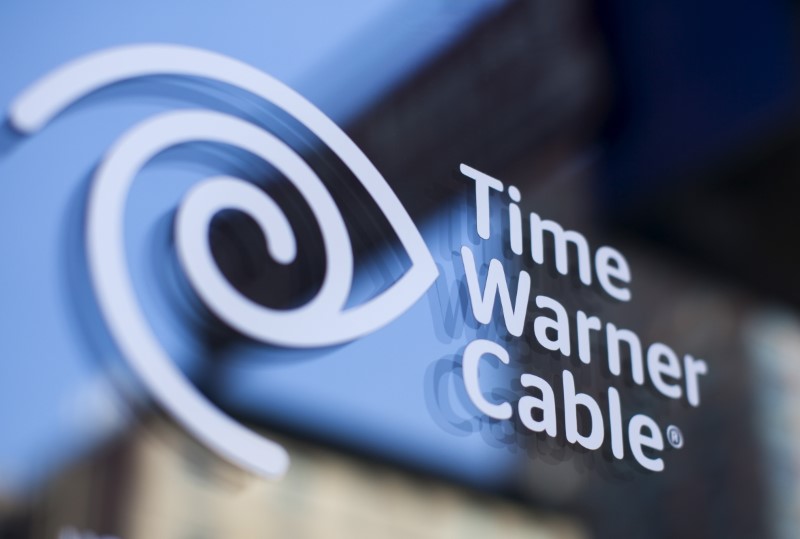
[667, 129]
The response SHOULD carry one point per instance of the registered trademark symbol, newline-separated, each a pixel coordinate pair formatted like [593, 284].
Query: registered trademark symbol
[674, 436]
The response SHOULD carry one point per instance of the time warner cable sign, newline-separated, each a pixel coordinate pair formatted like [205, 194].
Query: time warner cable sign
[326, 319]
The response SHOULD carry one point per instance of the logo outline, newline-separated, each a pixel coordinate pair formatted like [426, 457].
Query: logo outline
[35, 107]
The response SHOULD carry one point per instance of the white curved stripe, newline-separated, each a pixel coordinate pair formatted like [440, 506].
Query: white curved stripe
[117, 298]
[46, 98]
[207, 198]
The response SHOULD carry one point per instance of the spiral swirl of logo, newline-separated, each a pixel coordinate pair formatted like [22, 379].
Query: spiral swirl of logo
[322, 321]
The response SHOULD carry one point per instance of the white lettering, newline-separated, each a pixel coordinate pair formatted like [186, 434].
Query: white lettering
[584, 326]
[483, 305]
[470, 364]
[483, 182]
[560, 325]
[694, 368]
[547, 404]
[658, 369]
[560, 238]
[615, 423]
[609, 263]
[613, 337]
[638, 439]
[571, 402]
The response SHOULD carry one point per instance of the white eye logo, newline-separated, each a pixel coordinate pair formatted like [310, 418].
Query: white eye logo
[324, 320]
